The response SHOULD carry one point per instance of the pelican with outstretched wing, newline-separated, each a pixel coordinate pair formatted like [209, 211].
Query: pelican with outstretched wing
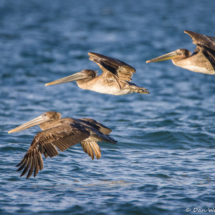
[114, 80]
[61, 133]
[202, 60]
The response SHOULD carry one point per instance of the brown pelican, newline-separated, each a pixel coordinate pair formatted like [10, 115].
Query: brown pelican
[114, 80]
[202, 60]
[61, 133]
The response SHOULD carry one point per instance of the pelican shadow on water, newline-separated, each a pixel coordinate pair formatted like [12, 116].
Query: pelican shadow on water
[202, 60]
[61, 133]
[114, 80]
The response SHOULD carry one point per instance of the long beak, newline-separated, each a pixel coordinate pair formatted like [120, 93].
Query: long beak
[29, 124]
[168, 56]
[74, 77]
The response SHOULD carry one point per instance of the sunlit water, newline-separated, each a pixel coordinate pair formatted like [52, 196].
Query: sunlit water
[165, 157]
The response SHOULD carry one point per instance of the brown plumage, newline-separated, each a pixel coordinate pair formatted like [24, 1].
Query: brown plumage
[62, 134]
[91, 148]
[97, 125]
[114, 80]
[113, 67]
[201, 60]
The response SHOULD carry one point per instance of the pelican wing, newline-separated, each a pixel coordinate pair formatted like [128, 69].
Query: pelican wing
[210, 55]
[205, 44]
[202, 40]
[112, 66]
[91, 147]
[45, 142]
[98, 136]
[98, 132]
[97, 125]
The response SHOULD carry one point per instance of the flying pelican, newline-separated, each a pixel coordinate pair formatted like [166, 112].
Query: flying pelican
[114, 80]
[61, 133]
[202, 60]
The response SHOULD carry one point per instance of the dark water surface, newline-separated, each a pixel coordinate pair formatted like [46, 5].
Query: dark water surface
[165, 157]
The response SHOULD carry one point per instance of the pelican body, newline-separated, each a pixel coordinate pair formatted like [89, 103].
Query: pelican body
[114, 80]
[61, 133]
[202, 60]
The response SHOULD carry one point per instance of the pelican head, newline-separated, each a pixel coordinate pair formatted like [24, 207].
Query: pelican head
[46, 117]
[84, 74]
[179, 54]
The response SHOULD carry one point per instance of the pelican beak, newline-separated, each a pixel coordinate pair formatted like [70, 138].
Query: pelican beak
[74, 77]
[31, 123]
[168, 56]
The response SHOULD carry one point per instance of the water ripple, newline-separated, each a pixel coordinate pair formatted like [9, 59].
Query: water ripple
[164, 160]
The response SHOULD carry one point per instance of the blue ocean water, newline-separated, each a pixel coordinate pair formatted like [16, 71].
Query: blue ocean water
[164, 160]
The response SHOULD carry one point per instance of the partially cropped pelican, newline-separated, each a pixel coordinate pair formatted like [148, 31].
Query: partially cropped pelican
[202, 60]
[61, 133]
[114, 80]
